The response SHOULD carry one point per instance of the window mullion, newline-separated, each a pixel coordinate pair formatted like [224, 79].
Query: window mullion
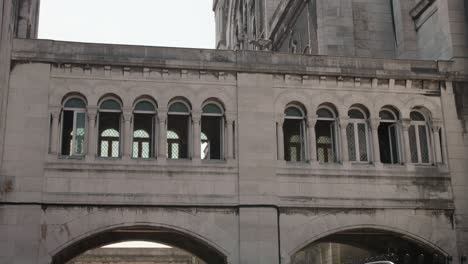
[357, 152]
[418, 143]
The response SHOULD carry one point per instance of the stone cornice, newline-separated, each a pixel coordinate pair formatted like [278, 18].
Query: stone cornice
[58, 52]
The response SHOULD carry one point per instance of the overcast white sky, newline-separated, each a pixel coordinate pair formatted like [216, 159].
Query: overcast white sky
[174, 23]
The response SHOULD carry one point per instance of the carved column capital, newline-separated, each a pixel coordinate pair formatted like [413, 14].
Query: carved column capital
[127, 116]
[344, 121]
[55, 111]
[196, 117]
[374, 122]
[311, 121]
[280, 119]
[436, 125]
[405, 124]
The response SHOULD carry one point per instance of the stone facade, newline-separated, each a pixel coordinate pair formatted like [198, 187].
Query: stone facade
[254, 202]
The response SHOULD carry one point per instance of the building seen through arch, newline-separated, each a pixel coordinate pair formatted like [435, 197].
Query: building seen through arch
[317, 132]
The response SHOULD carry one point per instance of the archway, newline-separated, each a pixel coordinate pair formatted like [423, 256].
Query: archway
[166, 236]
[365, 245]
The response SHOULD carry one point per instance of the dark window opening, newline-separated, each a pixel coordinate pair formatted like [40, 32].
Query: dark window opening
[211, 146]
[326, 142]
[73, 128]
[388, 143]
[293, 140]
[109, 134]
[178, 136]
[143, 136]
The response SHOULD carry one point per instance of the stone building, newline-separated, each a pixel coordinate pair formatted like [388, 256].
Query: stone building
[351, 152]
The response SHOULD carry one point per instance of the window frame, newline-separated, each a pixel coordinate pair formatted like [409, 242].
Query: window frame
[75, 111]
[100, 110]
[303, 133]
[189, 127]
[355, 122]
[417, 126]
[333, 132]
[152, 133]
[222, 132]
[394, 123]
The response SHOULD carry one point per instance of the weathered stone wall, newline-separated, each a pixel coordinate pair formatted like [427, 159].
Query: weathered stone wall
[252, 207]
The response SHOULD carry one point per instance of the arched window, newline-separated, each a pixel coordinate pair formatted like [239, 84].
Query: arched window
[144, 116]
[357, 133]
[178, 121]
[389, 137]
[294, 134]
[212, 127]
[325, 132]
[73, 127]
[419, 138]
[110, 112]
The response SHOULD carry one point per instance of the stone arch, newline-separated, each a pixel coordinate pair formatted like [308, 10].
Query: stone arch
[436, 233]
[394, 101]
[369, 106]
[177, 92]
[432, 107]
[221, 97]
[289, 97]
[180, 228]
[332, 99]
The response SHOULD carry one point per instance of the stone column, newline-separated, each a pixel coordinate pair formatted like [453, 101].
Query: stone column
[374, 126]
[280, 139]
[196, 139]
[127, 137]
[54, 133]
[405, 124]
[229, 153]
[311, 121]
[344, 121]
[436, 125]
[92, 129]
[162, 139]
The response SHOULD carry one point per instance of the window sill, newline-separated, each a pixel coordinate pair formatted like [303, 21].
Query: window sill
[75, 157]
[105, 158]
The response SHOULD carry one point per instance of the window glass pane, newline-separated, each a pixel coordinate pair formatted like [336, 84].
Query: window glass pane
[104, 149]
[386, 115]
[413, 144]
[356, 114]
[293, 112]
[362, 137]
[423, 143]
[110, 105]
[178, 108]
[351, 142]
[145, 150]
[212, 109]
[80, 133]
[145, 106]
[115, 149]
[75, 103]
[135, 150]
[110, 133]
[180, 125]
[325, 113]
[416, 116]
[140, 134]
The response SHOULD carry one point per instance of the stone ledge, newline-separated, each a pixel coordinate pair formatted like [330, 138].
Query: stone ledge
[58, 52]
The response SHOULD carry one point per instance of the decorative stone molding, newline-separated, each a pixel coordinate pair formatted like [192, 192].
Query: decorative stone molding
[420, 7]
